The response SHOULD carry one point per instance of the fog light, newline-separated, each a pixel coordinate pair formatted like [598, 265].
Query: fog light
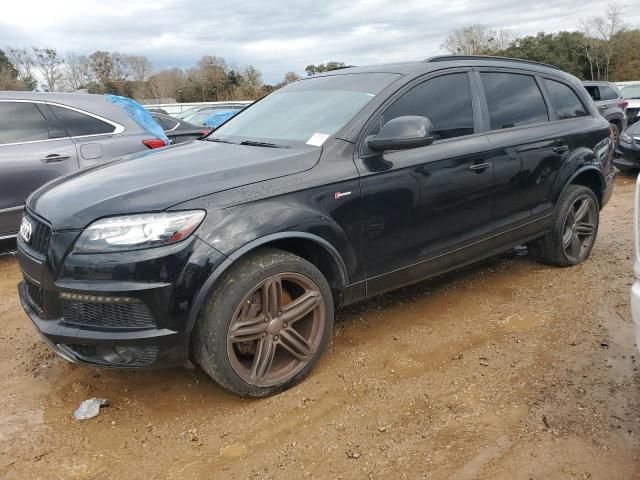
[117, 355]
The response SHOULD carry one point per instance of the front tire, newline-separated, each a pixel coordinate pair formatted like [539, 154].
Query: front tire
[573, 231]
[265, 325]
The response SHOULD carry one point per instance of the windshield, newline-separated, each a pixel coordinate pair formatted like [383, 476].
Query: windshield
[307, 111]
[631, 91]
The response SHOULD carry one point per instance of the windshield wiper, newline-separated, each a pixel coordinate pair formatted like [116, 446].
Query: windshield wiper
[219, 140]
[261, 144]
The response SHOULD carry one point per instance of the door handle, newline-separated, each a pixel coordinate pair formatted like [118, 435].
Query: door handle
[561, 149]
[54, 157]
[479, 167]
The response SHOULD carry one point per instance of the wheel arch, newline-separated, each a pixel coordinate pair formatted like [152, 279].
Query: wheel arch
[589, 177]
[312, 248]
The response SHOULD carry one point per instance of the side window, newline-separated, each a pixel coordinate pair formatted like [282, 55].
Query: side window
[513, 100]
[564, 100]
[593, 92]
[21, 122]
[607, 93]
[445, 100]
[78, 124]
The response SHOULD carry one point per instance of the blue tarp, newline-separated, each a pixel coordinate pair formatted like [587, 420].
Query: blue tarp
[139, 115]
[216, 119]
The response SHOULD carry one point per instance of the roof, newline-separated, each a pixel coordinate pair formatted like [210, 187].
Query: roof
[447, 61]
[597, 82]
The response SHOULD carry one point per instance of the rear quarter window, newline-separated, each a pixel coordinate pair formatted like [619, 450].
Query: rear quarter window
[564, 100]
[607, 93]
[78, 124]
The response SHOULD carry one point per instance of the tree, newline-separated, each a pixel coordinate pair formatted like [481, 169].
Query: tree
[140, 67]
[290, 77]
[626, 59]
[323, 67]
[8, 74]
[102, 66]
[599, 45]
[477, 40]
[23, 64]
[77, 72]
[562, 49]
[48, 63]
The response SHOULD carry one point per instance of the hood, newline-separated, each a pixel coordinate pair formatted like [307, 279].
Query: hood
[157, 180]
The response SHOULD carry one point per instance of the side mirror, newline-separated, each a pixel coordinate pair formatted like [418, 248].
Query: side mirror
[403, 132]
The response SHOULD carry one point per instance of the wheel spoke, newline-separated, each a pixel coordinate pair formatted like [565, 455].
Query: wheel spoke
[295, 344]
[566, 238]
[301, 306]
[582, 211]
[271, 293]
[249, 326]
[263, 358]
[585, 229]
[576, 246]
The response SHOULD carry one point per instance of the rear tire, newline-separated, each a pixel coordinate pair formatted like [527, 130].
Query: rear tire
[265, 324]
[573, 229]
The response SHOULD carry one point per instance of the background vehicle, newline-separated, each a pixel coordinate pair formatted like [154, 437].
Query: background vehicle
[46, 135]
[207, 114]
[631, 93]
[610, 103]
[211, 107]
[628, 149]
[177, 130]
[332, 189]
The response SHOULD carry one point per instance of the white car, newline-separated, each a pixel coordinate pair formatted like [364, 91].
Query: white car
[635, 289]
[631, 93]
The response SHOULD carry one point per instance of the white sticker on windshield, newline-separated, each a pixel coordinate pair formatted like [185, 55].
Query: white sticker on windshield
[317, 139]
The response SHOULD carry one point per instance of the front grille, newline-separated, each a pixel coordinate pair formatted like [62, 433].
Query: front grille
[40, 236]
[35, 295]
[94, 314]
[136, 356]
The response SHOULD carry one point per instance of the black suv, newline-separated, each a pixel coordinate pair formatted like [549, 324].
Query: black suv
[233, 251]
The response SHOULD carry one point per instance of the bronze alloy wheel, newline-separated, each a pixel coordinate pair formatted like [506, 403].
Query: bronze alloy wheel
[276, 329]
[580, 227]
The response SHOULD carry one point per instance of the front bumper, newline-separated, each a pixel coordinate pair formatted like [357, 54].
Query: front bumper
[122, 310]
[627, 156]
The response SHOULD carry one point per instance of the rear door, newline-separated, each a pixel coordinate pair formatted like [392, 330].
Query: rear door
[97, 139]
[527, 152]
[32, 152]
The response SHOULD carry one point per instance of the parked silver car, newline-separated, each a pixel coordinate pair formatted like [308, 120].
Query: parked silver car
[46, 135]
[610, 103]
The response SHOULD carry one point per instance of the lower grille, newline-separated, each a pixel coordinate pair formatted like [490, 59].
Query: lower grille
[93, 314]
[132, 356]
[35, 295]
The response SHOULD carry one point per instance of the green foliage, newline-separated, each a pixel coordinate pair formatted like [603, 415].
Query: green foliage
[323, 67]
[563, 49]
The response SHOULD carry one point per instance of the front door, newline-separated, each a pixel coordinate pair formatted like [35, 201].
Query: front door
[422, 204]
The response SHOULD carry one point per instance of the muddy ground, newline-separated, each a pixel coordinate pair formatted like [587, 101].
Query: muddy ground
[505, 370]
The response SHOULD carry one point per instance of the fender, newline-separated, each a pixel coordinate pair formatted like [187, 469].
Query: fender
[589, 168]
[204, 291]
[580, 161]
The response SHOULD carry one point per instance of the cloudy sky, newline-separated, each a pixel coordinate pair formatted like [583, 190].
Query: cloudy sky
[277, 35]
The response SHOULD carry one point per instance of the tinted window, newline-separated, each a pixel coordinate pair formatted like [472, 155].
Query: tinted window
[593, 92]
[78, 124]
[445, 100]
[21, 122]
[164, 122]
[607, 93]
[564, 100]
[513, 100]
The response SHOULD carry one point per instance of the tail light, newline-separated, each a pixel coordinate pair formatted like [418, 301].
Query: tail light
[624, 104]
[205, 132]
[154, 143]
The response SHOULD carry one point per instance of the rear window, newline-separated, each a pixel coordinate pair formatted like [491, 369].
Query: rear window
[513, 100]
[607, 93]
[564, 100]
[21, 122]
[78, 124]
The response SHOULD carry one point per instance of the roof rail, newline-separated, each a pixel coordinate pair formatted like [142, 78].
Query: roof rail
[453, 58]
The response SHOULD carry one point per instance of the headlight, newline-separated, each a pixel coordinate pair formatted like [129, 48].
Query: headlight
[131, 232]
[625, 137]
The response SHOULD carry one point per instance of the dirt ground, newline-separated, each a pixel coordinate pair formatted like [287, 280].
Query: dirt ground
[505, 370]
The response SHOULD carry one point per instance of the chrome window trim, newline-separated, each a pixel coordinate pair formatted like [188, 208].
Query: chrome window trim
[118, 128]
[11, 209]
